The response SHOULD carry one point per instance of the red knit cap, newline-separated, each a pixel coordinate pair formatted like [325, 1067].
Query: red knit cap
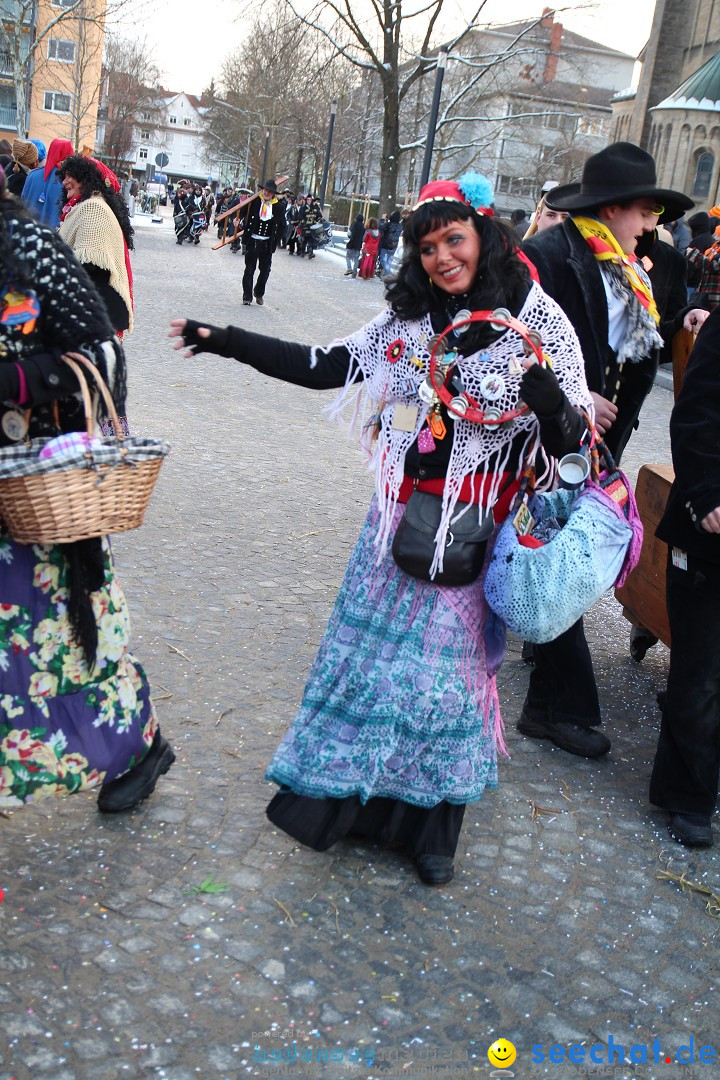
[472, 189]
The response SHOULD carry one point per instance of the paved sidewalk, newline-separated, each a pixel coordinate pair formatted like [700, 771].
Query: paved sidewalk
[559, 927]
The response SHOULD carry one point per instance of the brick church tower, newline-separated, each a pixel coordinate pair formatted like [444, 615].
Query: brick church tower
[675, 111]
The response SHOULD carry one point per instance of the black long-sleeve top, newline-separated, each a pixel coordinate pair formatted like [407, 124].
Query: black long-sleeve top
[289, 361]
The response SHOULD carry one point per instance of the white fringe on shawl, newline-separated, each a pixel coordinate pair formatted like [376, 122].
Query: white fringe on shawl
[375, 386]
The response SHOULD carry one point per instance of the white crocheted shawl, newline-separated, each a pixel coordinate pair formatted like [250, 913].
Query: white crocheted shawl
[92, 231]
[375, 386]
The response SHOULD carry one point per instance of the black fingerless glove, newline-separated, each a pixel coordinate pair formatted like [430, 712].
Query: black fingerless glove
[540, 390]
[216, 343]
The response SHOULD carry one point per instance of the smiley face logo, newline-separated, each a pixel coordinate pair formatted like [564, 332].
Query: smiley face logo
[502, 1054]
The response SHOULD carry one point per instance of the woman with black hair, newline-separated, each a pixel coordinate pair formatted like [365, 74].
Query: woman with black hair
[400, 725]
[95, 223]
[75, 708]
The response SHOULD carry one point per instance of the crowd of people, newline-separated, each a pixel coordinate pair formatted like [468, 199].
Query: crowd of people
[399, 726]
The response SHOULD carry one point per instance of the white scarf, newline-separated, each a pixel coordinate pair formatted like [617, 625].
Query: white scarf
[375, 386]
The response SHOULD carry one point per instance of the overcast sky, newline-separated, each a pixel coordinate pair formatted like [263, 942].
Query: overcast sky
[191, 39]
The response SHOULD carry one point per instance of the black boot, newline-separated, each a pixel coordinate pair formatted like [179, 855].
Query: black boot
[435, 869]
[128, 790]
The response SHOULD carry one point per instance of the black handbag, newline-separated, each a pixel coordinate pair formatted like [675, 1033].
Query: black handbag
[413, 547]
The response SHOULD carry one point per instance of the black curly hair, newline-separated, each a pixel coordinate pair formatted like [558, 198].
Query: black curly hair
[502, 279]
[92, 182]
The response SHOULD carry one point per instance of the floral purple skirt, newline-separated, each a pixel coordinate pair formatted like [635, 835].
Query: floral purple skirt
[398, 703]
[62, 728]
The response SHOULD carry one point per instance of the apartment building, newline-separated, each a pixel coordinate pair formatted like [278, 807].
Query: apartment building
[56, 71]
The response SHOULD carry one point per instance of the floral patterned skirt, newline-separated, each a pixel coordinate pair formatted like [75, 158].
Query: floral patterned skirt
[398, 703]
[63, 728]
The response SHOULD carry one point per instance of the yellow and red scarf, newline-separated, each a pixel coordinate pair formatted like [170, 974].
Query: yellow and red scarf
[605, 248]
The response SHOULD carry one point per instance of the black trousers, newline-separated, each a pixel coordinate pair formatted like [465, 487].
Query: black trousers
[562, 682]
[258, 255]
[687, 760]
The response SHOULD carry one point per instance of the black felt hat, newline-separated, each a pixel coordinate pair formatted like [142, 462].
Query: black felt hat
[620, 173]
[269, 185]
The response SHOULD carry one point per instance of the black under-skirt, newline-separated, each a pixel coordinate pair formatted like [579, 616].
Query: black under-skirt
[319, 823]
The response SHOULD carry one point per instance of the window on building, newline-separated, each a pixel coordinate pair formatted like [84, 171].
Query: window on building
[145, 135]
[187, 121]
[703, 175]
[143, 153]
[62, 3]
[61, 50]
[56, 102]
[173, 119]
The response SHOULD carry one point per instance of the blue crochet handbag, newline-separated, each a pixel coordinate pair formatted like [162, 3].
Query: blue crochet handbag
[583, 543]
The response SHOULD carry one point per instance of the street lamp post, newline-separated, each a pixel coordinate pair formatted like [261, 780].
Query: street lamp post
[435, 108]
[326, 167]
[251, 128]
[263, 177]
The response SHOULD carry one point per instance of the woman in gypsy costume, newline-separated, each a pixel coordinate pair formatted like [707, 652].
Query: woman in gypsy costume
[399, 725]
[75, 709]
[95, 223]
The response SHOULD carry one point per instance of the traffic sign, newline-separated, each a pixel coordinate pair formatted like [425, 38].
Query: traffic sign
[161, 160]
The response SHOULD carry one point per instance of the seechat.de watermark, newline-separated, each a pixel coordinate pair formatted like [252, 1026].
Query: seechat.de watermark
[293, 1052]
[616, 1053]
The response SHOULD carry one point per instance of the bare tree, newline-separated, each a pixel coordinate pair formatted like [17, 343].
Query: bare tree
[383, 44]
[131, 98]
[280, 81]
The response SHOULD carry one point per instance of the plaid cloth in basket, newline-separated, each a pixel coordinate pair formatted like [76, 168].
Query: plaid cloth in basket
[23, 460]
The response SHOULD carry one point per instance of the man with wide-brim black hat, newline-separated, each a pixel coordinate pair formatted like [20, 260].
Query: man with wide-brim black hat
[263, 226]
[587, 264]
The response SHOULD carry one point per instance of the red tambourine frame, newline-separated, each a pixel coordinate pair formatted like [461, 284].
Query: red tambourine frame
[473, 411]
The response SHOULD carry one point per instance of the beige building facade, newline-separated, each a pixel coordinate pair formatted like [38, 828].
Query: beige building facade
[61, 72]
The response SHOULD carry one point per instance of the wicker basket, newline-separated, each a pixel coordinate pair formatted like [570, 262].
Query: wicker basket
[46, 501]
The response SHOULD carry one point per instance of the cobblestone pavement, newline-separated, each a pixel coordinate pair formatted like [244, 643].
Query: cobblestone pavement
[559, 926]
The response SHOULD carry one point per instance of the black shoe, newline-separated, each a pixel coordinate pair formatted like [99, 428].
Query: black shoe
[692, 830]
[259, 300]
[247, 302]
[128, 790]
[435, 869]
[576, 739]
[179, 242]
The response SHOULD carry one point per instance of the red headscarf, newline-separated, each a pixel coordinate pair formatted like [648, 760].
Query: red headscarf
[59, 150]
[108, 175]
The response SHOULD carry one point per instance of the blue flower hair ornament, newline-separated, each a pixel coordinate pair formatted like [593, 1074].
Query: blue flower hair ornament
[478, 191]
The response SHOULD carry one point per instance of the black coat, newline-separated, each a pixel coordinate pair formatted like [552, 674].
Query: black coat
[570, 274]
[357, 233]
[390, 233]
[694, 427]
[252, 222]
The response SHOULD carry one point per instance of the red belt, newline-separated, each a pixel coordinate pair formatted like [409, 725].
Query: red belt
[469, 492]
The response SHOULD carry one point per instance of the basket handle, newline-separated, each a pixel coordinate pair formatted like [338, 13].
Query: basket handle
[73, 360]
